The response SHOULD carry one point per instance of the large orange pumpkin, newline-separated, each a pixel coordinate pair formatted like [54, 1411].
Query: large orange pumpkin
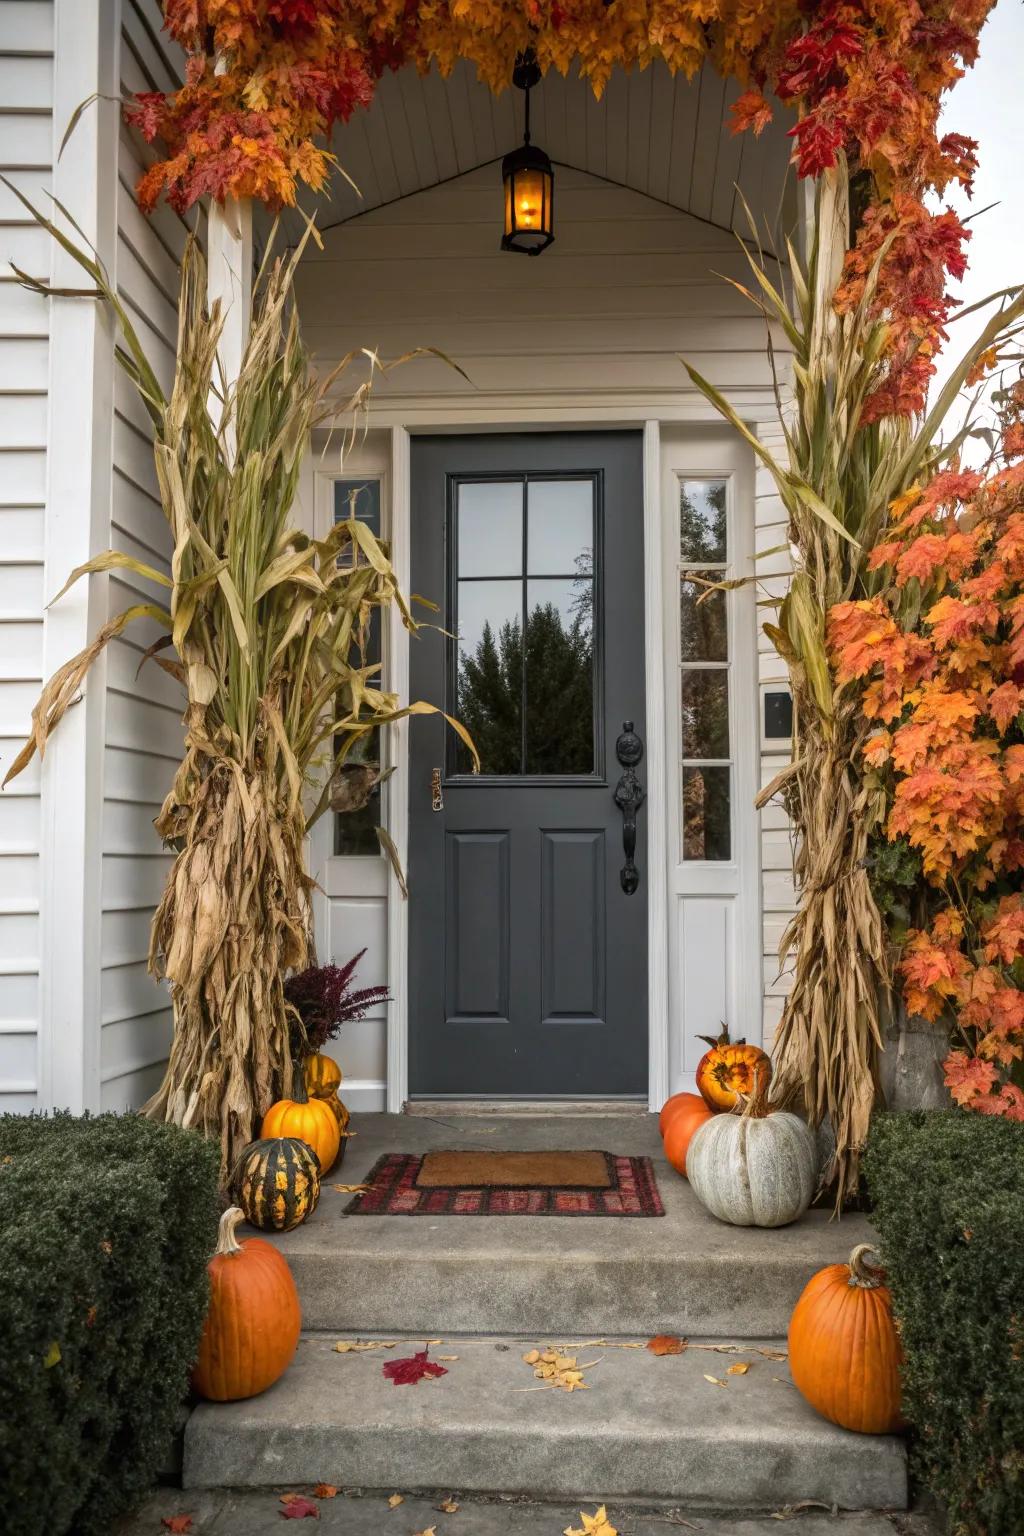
[689, 1113]
[311, 1120]
[254, 1320]
[730, 1069]
[844, 1352]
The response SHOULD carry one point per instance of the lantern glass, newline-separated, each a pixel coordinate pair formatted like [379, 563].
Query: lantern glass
[529, 201]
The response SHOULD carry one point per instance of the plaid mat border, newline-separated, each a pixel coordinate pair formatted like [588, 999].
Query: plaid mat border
[393, 1191]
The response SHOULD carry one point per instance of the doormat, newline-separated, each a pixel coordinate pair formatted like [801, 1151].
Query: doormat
[489, 1183]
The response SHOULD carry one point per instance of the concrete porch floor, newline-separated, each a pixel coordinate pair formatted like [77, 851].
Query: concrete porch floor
[684, 1272]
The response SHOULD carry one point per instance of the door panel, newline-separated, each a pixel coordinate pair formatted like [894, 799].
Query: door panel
[528, 959]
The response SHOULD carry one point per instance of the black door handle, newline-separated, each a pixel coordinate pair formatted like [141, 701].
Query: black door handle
[629, 796]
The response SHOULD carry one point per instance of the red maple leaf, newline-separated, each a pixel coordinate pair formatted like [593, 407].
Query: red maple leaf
[408, 1371]
[179, 1524]
[298, 1508]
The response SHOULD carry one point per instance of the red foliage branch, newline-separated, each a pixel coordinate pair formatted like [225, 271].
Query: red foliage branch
[938, 656]
[267, 80]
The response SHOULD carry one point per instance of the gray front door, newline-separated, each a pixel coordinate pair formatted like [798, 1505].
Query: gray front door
[528, 931]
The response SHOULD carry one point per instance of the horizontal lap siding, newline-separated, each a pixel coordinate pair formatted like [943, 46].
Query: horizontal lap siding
[143, 713]
[26, 154]
[627, 287]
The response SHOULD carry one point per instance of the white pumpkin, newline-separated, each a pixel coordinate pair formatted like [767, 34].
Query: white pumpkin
[758, 1168]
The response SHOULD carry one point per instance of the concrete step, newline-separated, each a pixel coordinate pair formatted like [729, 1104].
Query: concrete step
[647, 1428]
[684, 1272]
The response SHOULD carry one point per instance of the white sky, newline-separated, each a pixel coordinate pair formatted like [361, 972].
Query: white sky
[985, 105]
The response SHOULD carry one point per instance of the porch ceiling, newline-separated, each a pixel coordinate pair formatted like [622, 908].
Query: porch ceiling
[666, 137]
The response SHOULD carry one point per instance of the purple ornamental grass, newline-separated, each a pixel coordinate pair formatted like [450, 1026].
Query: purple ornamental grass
[324, 999]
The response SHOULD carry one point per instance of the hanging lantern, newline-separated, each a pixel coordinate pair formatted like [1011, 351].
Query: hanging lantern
[529, 179]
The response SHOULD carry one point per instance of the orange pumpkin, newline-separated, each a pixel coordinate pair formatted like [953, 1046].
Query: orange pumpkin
[844, 1352]
[669, 1108]
[730, 1068]
[310, 1120]
[254, 1319]
[688, 1114]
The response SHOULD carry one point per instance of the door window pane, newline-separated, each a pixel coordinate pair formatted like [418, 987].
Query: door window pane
[702, 522]
[561, 528]
[703, 635]
[489, 683]
[490, 528]
[526, 699]
[706, 829]
[705, 704]
[559, 677]
[355, 830]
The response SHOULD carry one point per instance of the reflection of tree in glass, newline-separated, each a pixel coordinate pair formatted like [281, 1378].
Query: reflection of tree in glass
[581, 606]
[559, 692]
[702, 529]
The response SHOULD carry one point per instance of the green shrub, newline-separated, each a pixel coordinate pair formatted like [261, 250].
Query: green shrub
[948, 1192]
[106, 1225]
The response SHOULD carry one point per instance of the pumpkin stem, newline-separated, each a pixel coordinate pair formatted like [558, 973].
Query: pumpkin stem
[867, 1273]
[227, 1242]
[723, 1038]
[754, 1105]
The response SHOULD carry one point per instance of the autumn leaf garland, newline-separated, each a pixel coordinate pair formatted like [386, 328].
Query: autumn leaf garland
[267, 81]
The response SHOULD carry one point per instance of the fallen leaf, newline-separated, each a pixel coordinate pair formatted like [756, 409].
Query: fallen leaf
[739, 1369]
[790, 1511]
[299, 1508]
[356, 1346]
[429, 1343]
[596, 1524]
[52, 1356]
[449, 1507]
[715, 1380]
[431, 1530]
[325, 1491]
[773, 1354]
[395, 1500]
[556, 1370]
[179, 1524]
[411, 1369]
[447, 1357]
[351, 1189]
[666, 1344]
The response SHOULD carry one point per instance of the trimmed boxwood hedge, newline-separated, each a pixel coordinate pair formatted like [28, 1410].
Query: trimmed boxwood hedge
[106, 1226]
[948, 1193]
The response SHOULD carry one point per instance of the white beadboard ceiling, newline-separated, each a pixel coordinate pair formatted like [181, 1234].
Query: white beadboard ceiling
[666, 137]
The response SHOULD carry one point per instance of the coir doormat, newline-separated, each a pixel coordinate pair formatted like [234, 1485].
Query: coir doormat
[490, 1183]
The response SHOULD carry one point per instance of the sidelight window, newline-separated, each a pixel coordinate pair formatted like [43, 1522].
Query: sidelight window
[523, 618]
[704, 670]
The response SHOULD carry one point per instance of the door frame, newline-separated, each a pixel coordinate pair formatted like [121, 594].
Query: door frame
[397, 787]
[395, 472]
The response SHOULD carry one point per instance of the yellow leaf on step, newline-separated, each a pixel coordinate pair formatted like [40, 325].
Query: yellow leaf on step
[739, 1369]
[593, 1525]
[351, 1189]
[431, 1530]
[449, 1507]
[52, 1356]
[395, 1500]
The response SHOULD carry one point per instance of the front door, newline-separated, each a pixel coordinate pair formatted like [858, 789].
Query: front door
[528, 881]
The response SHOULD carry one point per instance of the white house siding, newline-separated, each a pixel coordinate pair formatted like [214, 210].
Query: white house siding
[26, 154]
[143, 732]
[598, 323]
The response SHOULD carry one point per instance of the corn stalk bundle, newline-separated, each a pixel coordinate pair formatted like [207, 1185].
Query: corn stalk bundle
[265, 628]
[837, 483]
